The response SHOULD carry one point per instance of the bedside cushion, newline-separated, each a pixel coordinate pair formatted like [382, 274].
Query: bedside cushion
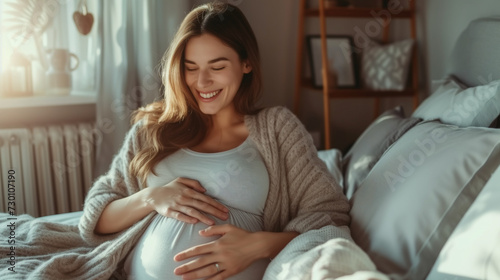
[386, 67]
[416, 194]
[370, 146]
[453, 103]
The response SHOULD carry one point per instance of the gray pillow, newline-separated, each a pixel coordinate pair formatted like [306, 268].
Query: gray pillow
[370, 146]
[453, 103]
[416, 194]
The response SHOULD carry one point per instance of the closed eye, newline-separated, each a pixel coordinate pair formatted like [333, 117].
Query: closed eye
[218, 68]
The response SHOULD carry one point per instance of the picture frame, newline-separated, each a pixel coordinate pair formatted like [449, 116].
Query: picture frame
[340, 51]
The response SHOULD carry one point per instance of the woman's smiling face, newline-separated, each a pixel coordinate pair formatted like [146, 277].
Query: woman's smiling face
[213, 73]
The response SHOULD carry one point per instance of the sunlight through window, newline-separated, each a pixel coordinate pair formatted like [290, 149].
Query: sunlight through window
[57, 39]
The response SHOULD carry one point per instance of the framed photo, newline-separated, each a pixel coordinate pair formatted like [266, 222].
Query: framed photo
[340, 58]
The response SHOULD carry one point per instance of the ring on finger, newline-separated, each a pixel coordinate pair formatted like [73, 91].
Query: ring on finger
[217, 267]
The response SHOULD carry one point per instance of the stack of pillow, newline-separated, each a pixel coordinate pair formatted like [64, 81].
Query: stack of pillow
[411, 180]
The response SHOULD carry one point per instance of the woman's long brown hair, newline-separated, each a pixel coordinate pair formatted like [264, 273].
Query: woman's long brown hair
[177, 122]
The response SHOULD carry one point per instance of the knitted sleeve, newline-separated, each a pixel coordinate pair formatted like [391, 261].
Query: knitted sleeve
[313, 196]
[115, 184]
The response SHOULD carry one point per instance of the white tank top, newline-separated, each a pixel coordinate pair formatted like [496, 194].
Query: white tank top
[237, 178]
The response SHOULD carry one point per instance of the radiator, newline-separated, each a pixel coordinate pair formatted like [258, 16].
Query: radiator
[46, 170]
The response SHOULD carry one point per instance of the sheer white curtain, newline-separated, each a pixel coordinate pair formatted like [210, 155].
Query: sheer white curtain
[135, 34]
[118, 60]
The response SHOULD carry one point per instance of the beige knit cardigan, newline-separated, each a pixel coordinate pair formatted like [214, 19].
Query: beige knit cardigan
[302, 196]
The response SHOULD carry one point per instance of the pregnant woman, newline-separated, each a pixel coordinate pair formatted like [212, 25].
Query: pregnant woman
[206, 185]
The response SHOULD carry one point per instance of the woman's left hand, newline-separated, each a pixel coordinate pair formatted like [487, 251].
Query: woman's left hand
[222, 258]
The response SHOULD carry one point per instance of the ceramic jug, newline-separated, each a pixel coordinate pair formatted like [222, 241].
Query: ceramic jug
[59, 70]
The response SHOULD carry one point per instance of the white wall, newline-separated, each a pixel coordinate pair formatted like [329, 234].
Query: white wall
[274, 24]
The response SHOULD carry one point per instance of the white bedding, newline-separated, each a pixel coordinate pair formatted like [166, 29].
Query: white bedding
[323, 254]
[71, 218]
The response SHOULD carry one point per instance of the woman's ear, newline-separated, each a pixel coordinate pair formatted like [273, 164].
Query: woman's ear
[247, 68]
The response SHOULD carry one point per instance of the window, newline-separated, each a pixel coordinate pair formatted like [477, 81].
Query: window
[49, 48]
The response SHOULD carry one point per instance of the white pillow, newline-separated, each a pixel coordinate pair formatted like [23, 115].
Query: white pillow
[452, 103]
[333, 161]
[386, 67]
[473, 250]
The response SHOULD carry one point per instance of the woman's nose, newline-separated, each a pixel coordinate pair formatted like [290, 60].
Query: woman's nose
[204, 79]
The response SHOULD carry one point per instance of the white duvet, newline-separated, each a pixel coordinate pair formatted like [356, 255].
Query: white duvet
[323, 254]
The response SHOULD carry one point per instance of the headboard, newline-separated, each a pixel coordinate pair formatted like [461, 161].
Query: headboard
[475, 60]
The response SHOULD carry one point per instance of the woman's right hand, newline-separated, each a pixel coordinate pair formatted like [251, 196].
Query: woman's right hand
[184, 200]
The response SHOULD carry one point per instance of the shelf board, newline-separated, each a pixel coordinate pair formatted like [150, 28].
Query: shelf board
[360, 92]
[356, 12]
[75, 98]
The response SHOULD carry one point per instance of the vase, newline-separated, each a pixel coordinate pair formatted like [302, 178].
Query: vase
[59, 72]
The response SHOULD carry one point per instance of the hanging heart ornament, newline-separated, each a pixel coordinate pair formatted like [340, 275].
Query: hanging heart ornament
[83, 20]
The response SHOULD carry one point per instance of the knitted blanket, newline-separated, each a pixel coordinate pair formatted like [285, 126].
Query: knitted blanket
[44, 250]
[302, 196]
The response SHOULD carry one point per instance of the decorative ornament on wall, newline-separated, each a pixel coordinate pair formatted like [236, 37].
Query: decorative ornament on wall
[83, 20]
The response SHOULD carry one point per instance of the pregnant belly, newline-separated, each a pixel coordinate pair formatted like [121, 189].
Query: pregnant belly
[152, 257]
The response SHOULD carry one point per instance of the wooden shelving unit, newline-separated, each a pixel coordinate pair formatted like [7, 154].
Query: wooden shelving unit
[329, 93]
